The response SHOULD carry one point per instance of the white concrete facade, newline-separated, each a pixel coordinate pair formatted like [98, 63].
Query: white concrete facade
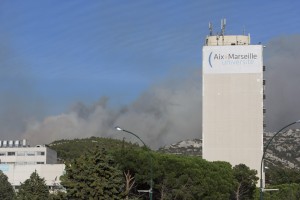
[18, 174]
[39, 154]
[232, 101]
[19, 162]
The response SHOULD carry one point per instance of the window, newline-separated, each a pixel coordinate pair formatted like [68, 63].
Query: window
[2, 153]
[11, 153]
[20, 163]
[21, 153]
[30, 153]
[40, 153]
[39, 162]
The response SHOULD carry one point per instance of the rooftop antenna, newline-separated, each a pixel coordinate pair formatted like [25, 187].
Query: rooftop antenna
[223, 24]
[210, 27]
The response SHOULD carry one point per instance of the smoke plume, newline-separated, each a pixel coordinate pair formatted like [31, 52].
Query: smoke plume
[282, 59]
[19, 101]
[165, 113]
[169, 111]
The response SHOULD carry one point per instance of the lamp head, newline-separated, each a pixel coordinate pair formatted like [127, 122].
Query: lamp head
[118, 128]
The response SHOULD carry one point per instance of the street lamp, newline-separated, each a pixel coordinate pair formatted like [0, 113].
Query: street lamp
[151, 167]
[264, 153]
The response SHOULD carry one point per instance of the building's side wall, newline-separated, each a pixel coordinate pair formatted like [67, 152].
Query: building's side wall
[233, 105]
[19, 173]
[28, 155]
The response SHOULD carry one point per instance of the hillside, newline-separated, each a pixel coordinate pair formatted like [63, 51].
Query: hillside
[69, 149]
[187, 147]
[283, 151]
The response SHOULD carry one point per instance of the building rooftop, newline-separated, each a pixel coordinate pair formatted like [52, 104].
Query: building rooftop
[221, 39]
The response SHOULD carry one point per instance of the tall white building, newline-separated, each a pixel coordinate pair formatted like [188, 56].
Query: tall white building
[232, 100]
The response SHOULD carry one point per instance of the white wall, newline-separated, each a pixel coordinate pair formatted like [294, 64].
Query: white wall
[232, 121]
[19, 173]
[22, 155]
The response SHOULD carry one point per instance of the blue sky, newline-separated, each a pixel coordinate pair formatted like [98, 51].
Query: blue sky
[54, 53]
[82, 50]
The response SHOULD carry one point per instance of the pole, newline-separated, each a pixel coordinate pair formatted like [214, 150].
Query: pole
[151, 163]
[263, 157]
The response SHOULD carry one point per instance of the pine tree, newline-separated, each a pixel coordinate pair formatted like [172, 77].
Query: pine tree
[246, 180]
[33, 188]
[93, 176]
[6, 189]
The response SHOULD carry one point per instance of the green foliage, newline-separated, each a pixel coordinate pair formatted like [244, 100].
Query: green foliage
[58, 196]
[33, 188]
[6, 189]
[174, 177]
[177, 177]
[281, 175]
[93, 176]
[286, 180]
[286, 191]
[71, 149]
[245, 182]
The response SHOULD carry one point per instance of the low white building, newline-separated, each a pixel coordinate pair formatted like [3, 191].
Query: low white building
[18, 174]
[18, 161]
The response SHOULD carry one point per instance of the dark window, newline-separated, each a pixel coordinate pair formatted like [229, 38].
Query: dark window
[21, 153]
[40, 153]
[30, 153]
[11, 153]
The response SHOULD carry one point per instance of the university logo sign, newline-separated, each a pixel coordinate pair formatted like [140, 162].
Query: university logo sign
[232, 59]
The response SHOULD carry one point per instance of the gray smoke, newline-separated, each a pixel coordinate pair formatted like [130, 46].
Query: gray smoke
[165, 113]
[171, 111]
[282, 59]
[19, 102]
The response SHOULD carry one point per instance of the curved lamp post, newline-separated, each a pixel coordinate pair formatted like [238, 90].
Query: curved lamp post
[151, 167]
[264, 154]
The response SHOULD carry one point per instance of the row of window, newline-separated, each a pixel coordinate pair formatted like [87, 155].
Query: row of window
[23, 163]
[23, 153]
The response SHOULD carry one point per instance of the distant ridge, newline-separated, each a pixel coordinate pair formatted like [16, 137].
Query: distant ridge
[283, 151]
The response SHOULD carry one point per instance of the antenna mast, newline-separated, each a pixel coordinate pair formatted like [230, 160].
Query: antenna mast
[210, 27]
[223, 25]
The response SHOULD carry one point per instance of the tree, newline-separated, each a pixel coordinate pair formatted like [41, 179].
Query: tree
[33, 188]
[129, 183]
[59, 195]
[6, 189]
[93, 176]
[176, 177]
[245, 182]
[277, 175]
